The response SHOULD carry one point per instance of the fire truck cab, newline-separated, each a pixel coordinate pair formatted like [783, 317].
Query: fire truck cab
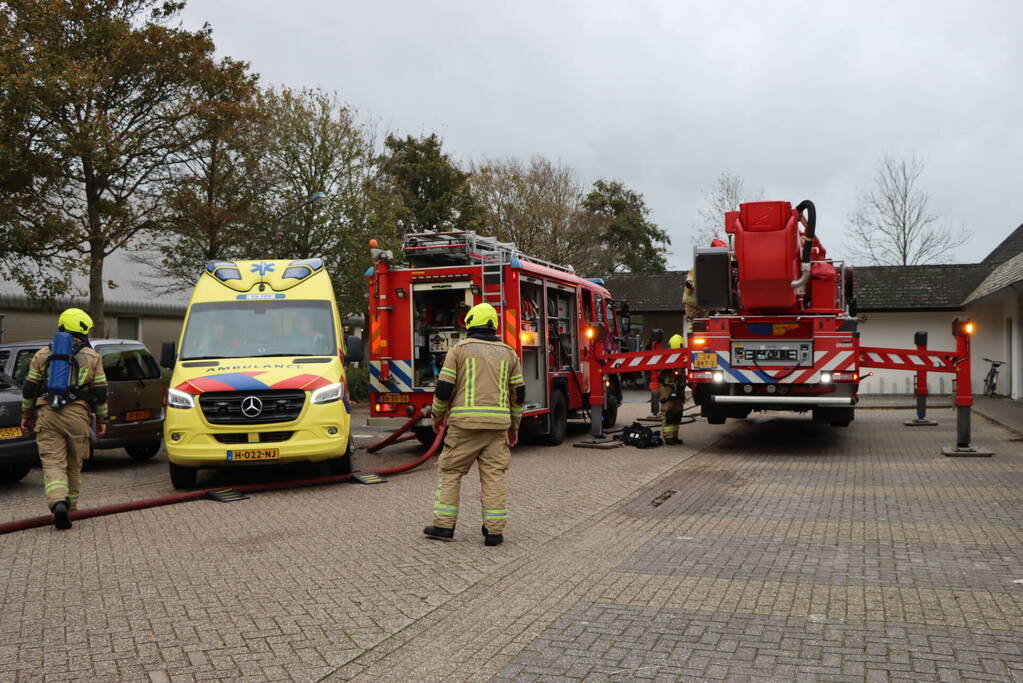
[548, 314]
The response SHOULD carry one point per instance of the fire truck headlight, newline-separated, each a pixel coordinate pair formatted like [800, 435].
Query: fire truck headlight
[719, 377]
[825, 378]
[327, 394]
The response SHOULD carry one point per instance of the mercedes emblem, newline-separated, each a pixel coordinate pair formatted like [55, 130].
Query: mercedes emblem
[251, 406]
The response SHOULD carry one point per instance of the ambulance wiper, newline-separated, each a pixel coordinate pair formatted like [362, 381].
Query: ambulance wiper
[273, 355]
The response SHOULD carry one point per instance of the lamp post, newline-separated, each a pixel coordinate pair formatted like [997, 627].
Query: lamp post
[313, 200]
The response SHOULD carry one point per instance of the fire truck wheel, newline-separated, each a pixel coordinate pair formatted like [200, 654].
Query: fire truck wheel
[716, 419]
[558, 420]
[425, 435]
[610, 413]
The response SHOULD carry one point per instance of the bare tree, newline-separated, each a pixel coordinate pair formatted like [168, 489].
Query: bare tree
[729, 192]
[892, 225]
[538, 206]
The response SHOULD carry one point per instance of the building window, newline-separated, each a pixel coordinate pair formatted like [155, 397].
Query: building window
[128, 328]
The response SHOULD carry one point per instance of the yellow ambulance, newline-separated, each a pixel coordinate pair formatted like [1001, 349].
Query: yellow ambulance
[259, 371]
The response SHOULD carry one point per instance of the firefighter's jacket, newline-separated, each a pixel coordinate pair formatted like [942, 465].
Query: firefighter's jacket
[90, 384]
[670, 382]
[486, 377]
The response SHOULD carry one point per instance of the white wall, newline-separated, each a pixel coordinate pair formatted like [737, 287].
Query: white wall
[897, 330]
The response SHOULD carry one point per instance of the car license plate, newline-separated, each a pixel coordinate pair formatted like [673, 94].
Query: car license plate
[394, 398]
[10, 432]
[246, 454]
[134, 415]
[705, 360]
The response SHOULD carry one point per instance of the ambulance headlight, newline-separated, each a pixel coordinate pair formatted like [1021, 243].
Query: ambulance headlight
[327, 394]
[179, 399]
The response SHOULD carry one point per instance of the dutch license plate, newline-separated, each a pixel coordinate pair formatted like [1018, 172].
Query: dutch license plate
[10, 432]
[394, 398]
[134, 415]
[705, 360]
[246, 454]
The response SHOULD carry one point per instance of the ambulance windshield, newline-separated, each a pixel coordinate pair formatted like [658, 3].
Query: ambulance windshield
[252, 329]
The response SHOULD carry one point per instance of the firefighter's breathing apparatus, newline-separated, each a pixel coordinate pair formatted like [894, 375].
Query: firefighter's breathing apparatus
[234, 492]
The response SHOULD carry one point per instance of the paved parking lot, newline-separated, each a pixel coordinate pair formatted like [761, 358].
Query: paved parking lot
[771, 549]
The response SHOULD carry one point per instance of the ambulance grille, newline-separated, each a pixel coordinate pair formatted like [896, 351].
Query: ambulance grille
[226, 407]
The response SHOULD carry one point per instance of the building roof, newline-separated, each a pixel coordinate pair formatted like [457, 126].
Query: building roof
[917, 288]
[1004, 275]
[1010, 246]
[648, 292]
[137, 290]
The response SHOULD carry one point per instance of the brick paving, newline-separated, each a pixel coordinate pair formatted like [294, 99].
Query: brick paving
[766, 550]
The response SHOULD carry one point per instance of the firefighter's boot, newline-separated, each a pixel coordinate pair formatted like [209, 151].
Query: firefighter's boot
[440, 533]
[61, 514]
[490, 539]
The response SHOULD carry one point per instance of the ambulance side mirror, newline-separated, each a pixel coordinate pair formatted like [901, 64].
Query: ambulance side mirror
[353, 349]
[168, 354]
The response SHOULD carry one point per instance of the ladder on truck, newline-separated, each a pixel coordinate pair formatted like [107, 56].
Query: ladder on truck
[467, 248]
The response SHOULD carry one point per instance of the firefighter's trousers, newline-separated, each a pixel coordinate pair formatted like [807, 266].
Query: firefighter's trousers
[463, 447]
[62, 437]
[671, 418]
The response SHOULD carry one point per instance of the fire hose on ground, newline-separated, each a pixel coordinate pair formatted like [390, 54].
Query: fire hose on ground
[211, 494]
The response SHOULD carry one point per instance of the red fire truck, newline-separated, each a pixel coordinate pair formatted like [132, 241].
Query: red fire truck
[780, 335]
[548, 315]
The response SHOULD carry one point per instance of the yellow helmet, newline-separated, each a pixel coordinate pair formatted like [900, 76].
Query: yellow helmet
[75, 320]
[675, 342]
[481, 314]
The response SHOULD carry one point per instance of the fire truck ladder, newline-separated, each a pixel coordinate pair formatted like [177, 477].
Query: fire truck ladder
[467, 247]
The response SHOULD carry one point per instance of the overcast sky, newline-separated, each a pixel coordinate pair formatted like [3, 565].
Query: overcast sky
[799, 99]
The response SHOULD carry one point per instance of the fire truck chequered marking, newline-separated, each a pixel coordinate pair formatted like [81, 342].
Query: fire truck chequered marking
[823, 361]
[401, 376]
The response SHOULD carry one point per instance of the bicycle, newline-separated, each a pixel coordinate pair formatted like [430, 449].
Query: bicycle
[991, 378]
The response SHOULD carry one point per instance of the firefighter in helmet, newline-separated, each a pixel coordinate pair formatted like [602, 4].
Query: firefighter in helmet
[673, 396]
[479, 396]
[61, 422]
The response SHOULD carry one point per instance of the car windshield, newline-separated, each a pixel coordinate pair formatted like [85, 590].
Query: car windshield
[122, 362]
[245, 329]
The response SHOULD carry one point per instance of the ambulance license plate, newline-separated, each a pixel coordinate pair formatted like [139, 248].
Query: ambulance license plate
[246, 454]
[10, 432]
[394, 398]
[134, 415]
[705, 360]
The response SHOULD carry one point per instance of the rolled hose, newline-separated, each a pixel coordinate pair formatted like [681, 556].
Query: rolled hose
[46, 520]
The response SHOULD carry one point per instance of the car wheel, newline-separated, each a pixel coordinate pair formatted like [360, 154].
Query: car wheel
[12, 473]
[183, 477]
[143, 451]
[558, 420]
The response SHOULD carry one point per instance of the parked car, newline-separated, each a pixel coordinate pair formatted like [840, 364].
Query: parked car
[17, 449]
[135, 395]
